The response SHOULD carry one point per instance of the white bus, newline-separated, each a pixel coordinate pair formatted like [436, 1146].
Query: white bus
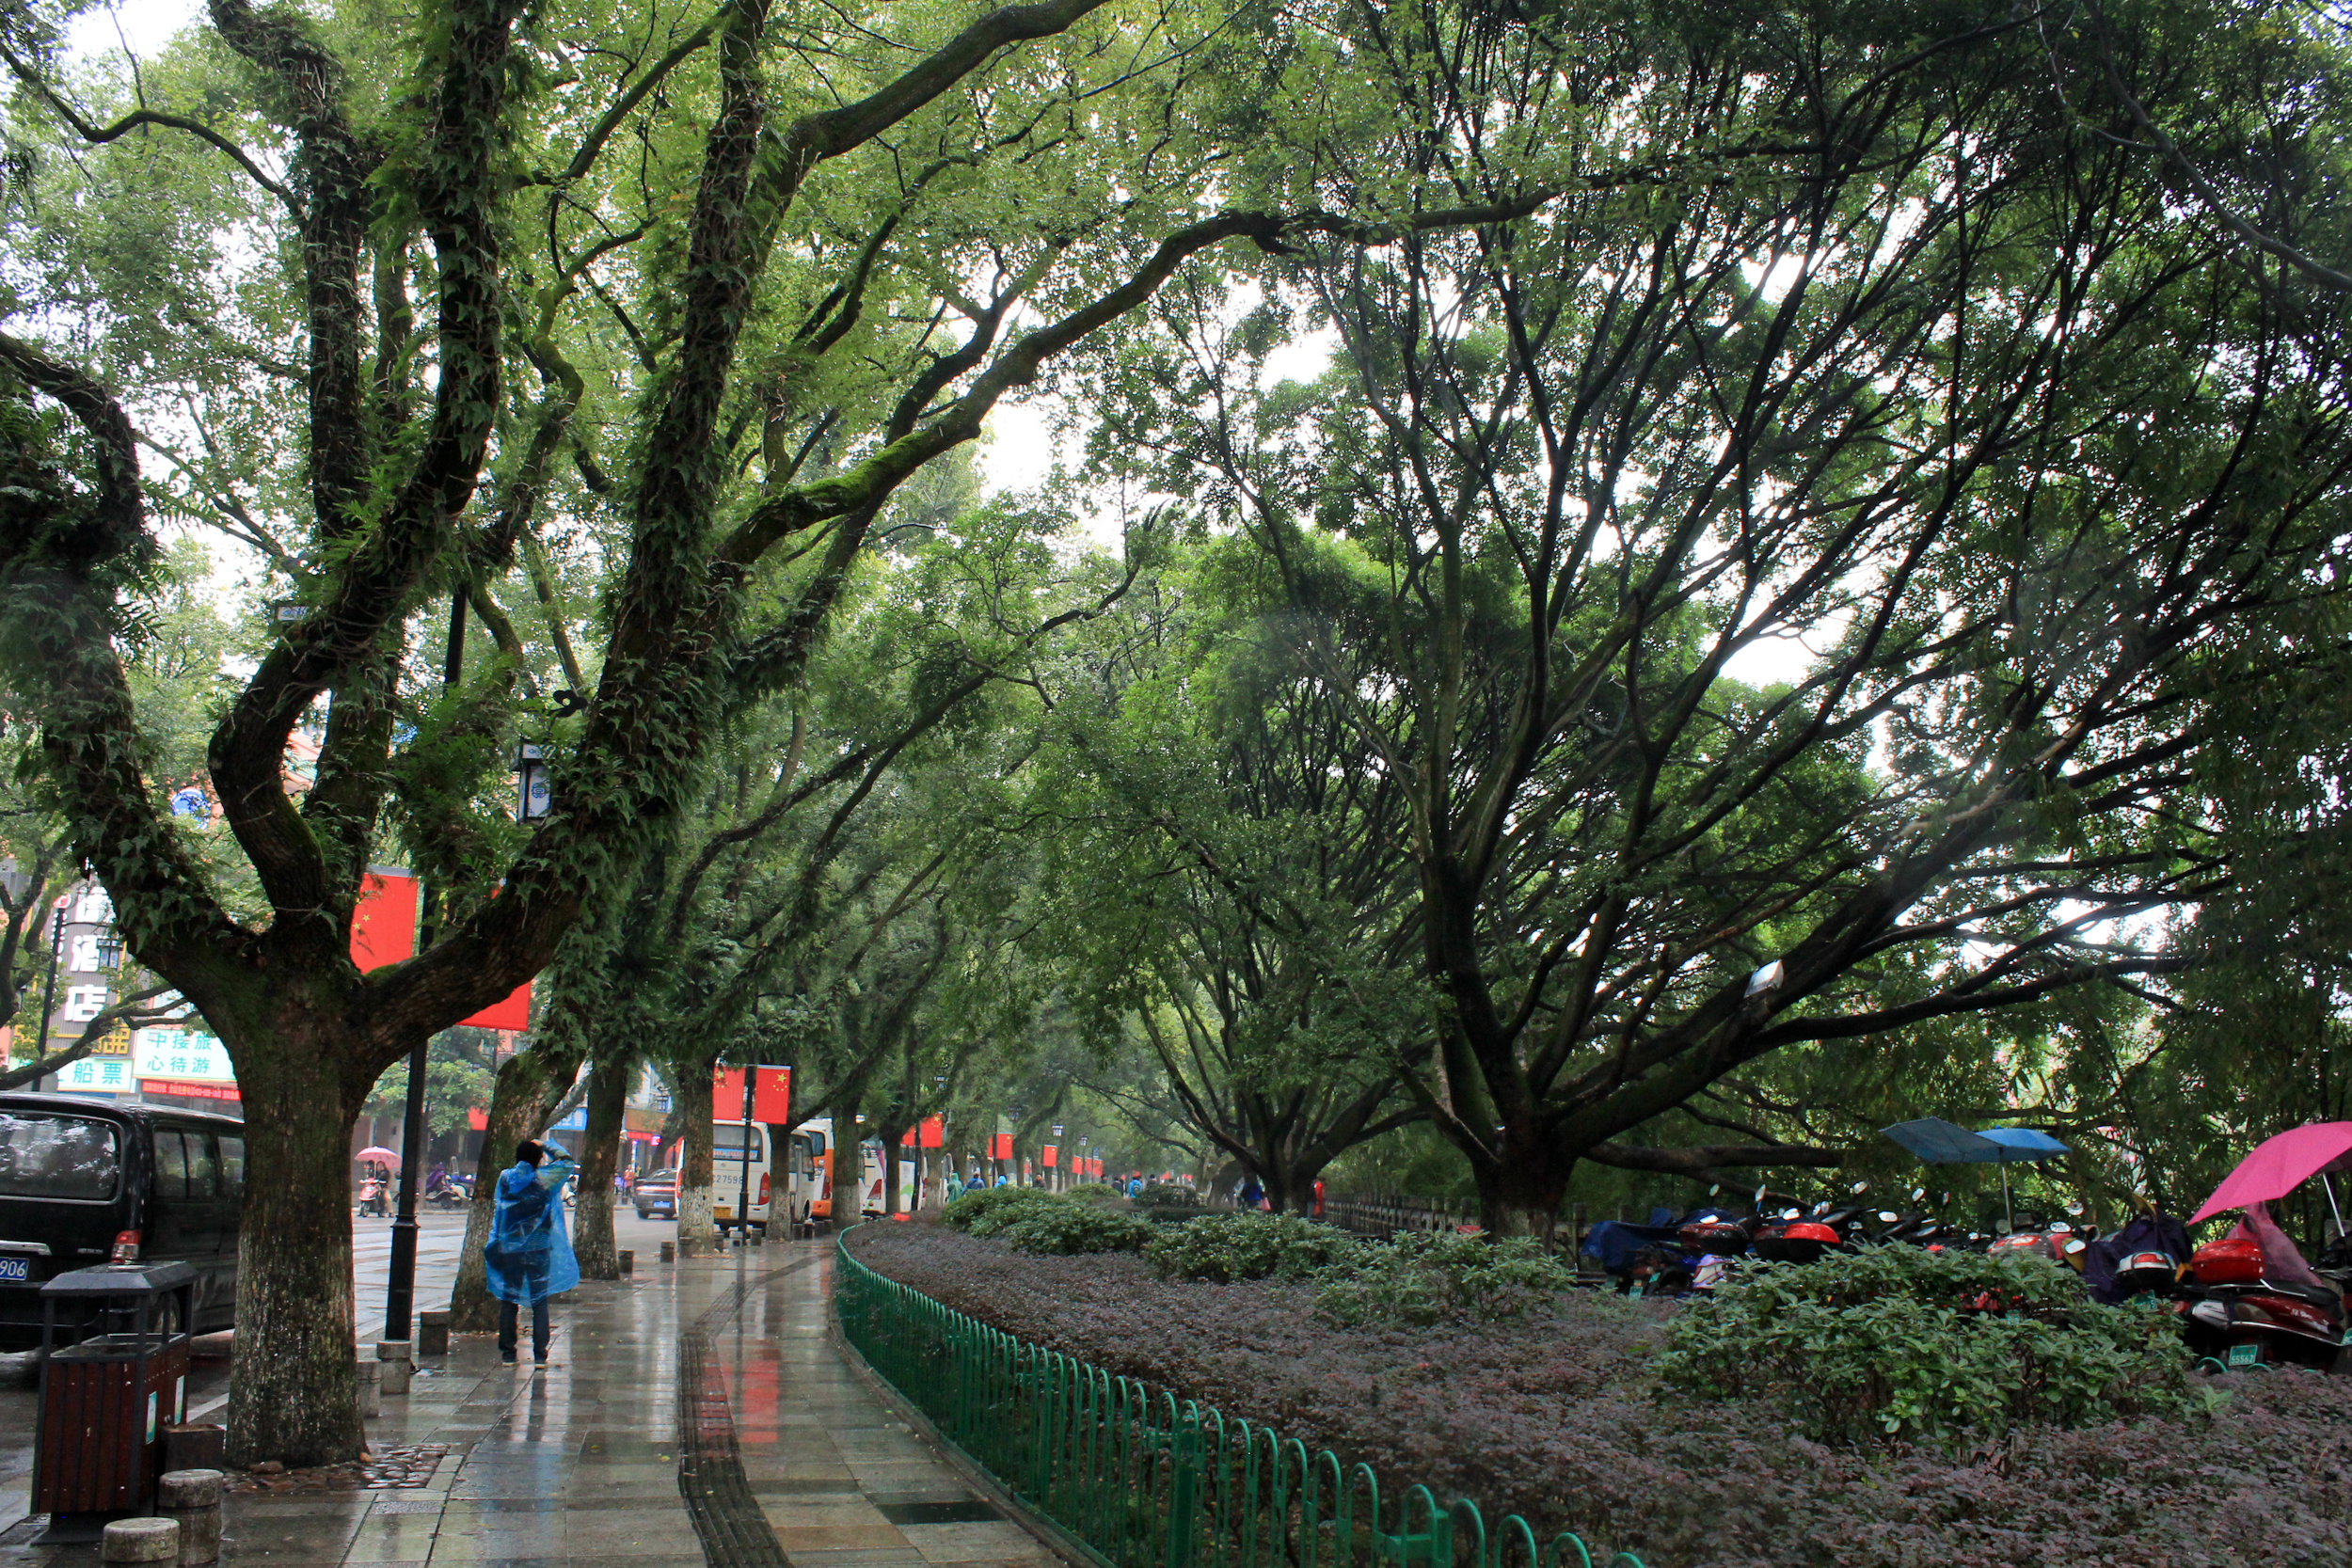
[806, 1178]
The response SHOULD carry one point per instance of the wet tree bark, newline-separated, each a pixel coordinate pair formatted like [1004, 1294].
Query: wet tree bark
[529, 1084]
[697, 1236]
[608, 1103]
[292, 1387]
[849, 1169]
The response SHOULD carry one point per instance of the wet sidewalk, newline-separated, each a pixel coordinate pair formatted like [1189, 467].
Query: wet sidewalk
[841, 1480]
[787, 1458]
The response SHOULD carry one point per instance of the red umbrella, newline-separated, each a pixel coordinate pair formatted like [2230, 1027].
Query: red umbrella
[2281, 1163]
[378, 1152]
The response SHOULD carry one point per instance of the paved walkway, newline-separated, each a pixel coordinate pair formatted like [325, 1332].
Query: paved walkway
[787, 1458]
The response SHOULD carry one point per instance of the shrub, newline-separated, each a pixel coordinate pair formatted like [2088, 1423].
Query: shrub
[1421, 1278]
[1063, 1226]
[1168, 1194]
[989, 1211]
[1221, 1248]
[1887, 1344]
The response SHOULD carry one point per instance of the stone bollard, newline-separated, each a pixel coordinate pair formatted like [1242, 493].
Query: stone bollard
[628, 1262]
[759, 1234]
[669, 1252]
[433, 1334]
[193, 1498]
[370, 1405]
[140, 1540]
[393, 1368]
[197, 1446]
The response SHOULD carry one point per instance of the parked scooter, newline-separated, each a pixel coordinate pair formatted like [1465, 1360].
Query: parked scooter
[449, 1193]
[2235, 1314]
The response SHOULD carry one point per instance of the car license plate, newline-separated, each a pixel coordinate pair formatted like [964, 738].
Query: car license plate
[16, 1268]
[723, 1212]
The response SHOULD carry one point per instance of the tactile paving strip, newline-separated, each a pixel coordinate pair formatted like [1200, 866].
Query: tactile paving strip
[734, 1532]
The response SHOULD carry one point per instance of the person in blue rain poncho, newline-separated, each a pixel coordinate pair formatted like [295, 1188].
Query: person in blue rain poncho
[529, 1257]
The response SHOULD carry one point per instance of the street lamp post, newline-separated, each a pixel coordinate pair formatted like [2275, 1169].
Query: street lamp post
[399, 1288]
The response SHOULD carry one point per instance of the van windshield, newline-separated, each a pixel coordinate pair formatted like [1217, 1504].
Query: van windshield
[44, 1155]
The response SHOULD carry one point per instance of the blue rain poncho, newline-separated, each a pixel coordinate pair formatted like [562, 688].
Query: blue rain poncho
[530, 1256]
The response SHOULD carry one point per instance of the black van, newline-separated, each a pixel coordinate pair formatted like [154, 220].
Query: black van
[80, 1178]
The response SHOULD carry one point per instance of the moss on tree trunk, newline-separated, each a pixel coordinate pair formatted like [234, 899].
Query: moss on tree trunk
[697, 1237]
[608, 1101]
[292, 1388]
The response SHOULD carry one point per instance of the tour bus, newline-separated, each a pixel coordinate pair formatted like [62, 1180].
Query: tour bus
[806, 1179]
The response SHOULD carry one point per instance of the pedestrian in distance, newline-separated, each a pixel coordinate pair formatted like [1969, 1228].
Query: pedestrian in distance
[1252, 1196]
[529, 1256]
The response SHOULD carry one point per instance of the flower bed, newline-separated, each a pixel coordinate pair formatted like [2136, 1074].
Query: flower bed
[1556, 1416]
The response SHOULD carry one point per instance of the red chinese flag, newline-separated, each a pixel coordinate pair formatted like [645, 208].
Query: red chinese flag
[935, 1131]
[1051, 1152]
[1000, 1146]
[384, 923]
[771, 1096]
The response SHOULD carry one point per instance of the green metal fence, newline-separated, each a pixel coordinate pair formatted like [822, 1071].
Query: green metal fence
[1148, 1480]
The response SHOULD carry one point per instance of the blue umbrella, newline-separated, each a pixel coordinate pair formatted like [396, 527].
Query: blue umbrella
[1943, 1143]
[2022, 1143]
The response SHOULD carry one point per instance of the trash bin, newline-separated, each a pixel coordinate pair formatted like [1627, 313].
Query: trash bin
[114, 1376]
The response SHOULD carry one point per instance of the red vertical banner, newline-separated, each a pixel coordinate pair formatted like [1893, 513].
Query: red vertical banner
[1000, 1146]
[384, 931]
[1049, 1154]
[384, 922]
[935, 1132]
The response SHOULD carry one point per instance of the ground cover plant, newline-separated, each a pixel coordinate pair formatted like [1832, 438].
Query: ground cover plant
[1561, 1414]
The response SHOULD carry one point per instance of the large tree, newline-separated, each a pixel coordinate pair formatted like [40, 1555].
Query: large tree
[391, 295]
[1938, 379]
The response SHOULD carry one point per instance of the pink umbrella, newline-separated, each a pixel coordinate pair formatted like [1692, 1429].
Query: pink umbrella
[378, 1152]
[2281, 1163]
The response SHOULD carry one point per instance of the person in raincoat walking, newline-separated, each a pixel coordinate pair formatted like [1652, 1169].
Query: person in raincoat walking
[529, 1257]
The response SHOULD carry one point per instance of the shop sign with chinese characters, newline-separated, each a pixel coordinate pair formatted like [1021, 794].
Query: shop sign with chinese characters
[90, 960]
[180, 1055]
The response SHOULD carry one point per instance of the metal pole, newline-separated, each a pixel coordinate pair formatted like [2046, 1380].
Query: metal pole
[400, 1287]
[743, 1197]
[2331, 1188]
[2008, 1220]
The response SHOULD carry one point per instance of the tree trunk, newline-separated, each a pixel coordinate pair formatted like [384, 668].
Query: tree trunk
[608, 1101]
[849, 1174]
[294, 1392]
[530, 1083]
[697, 1236]
[1520, 1195]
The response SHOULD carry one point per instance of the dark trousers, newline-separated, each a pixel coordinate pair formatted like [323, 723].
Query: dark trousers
[510, 1320]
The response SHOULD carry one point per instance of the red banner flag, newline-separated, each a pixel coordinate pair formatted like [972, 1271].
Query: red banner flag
[1051, 1153]
[771, 1096]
